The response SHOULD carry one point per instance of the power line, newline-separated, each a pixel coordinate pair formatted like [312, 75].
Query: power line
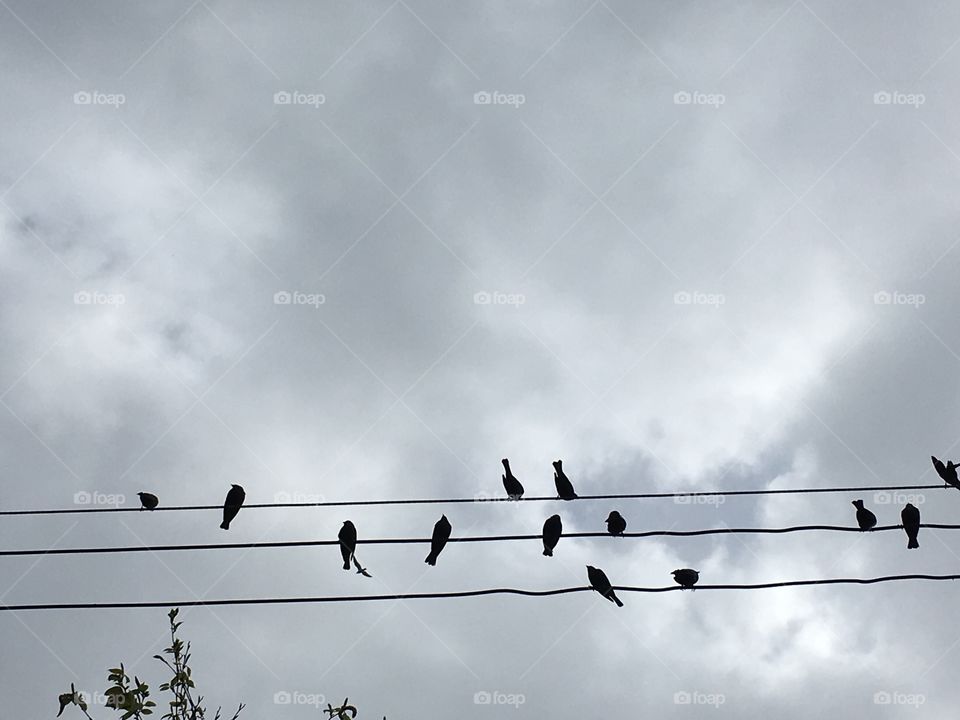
[479, 538]
[463, 594]
[681, 496]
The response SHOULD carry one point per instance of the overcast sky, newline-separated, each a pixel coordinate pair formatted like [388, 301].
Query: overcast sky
[680, 245]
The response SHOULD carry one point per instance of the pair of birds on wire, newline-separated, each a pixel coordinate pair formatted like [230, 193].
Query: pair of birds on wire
[685, 578]
[553, 530]
[909, 518]
[348, 544]
[231, 505]
[515, 490]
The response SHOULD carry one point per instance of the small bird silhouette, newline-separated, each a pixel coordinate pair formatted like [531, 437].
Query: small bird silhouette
[686, 577]
[615, 523]
[441, 533]
[599, 582]
[910, 517]
[552, 529]
[348, 542]
[948, 472]
[148, 501]
[564, 486]
[513, 486]
[360, 570]
[232, 505]
[865, 519]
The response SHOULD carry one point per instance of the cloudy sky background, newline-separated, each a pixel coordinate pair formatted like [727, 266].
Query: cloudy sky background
[783, 189]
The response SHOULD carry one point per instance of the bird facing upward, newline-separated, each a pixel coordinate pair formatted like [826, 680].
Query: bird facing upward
[552, 529]
[513, 486]
[910, 517]
[600, 583]
[148, 501]
[686, 577]
[948, 472]
[348, 542]
[232, 505]
[615, 523]
[441, 533]
[564, 486]
[865, 519]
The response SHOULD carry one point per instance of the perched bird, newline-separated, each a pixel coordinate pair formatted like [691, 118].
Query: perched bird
[148, 501]
[348, 542]
[948, 472]
[910, 517]
[615, 523]
[232, 505]
[686, 577]
[564, 486]
[865, 519]
[599, 582]
[441, 533]
[510, 483]
[552, 529]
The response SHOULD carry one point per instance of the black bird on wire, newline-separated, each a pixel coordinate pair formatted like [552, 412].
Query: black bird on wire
[348, 542]
[441, 533]
[615, 523]
[510, 483]
[232, 505]
[552, 529]
[686, 577]
[148, 501]
[865, 519]
[564, 486]
[910, 517]
[600, 583]
[948, 472]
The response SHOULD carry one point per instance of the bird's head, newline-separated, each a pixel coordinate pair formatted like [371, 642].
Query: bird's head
[590, 567]
[858, 504]
[236, 486]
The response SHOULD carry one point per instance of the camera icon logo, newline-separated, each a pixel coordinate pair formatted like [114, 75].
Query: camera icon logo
[282, 298]
[282, 698]
[282, 98]
[482, 698]
[482, 98]
[82, 98]
[682, 98]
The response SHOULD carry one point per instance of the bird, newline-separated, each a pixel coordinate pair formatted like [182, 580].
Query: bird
[360, 570]
[441, 533]
[348, 542]
[232, 505]
[948, 472]
[865, 519]
[564, 486]
[552, 529]
[686, 577]
[615, 523]
[510, 483]
[148, 501]
[910, 517]
[599, 582]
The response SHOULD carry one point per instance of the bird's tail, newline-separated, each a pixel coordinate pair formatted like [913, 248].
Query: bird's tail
[548, 552]
[225, 525]
[616, 600]
[431, 559]
[913, 544]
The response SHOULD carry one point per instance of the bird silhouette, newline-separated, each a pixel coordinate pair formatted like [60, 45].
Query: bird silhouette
[148, 501]
[599, 582]
[948, 472]
[510, 483]
[686, 577]
[615, 523]
[232, 505]
[360, 570]
[348, 542]
[910, 517]
[552, 529]
[564, 486]
[865, 519]
[441, 533]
